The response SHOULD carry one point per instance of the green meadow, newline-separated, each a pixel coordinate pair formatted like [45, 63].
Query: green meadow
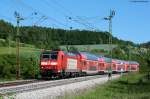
[131, 86]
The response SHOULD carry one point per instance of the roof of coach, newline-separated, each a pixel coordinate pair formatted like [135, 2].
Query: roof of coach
[89, 56]
[72, 53]
[106, 59]
[99, 55]
[120, 61]
[133, 62]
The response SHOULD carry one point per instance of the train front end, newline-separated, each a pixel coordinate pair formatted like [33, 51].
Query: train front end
[50, 63]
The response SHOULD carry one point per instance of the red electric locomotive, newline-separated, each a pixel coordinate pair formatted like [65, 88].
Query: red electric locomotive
[59, 63]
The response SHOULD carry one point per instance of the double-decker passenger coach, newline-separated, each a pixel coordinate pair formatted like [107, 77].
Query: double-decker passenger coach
[134, 66]
[90, 63]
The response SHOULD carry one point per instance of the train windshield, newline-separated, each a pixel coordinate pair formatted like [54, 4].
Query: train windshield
[50, 55]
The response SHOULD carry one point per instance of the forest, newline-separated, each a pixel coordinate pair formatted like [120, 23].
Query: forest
[43, 37]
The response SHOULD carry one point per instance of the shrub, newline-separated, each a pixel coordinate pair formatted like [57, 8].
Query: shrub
[28, 67]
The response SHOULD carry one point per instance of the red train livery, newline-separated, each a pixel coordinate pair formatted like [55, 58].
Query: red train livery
[71, 64]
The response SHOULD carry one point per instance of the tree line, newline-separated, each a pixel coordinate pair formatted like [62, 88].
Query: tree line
[44, 37]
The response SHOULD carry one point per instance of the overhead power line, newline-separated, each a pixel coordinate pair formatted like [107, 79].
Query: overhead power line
[42, 19]
[64, 13]
[63, 8]
[75, 19]
[41, 13]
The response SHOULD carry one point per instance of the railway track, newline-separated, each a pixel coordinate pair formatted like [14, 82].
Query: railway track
[15, 83]
[44, 84]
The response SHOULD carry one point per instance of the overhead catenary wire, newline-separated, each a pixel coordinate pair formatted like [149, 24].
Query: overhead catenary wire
[42, 19]
[63, 8]
[41, 13]
[75, 19]
[54, 7]
[66, 13]
[88, 23]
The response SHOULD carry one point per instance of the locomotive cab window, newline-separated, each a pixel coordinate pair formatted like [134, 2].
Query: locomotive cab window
[45, 56]
[52, 56]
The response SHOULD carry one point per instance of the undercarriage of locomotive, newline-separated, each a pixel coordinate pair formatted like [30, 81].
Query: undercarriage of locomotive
[49, 74]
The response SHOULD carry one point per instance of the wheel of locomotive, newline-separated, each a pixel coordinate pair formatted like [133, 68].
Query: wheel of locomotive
[73, 75]
[77, 74]
[62, 75]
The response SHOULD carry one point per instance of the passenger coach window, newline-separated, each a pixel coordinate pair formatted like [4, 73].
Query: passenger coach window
[84, 62]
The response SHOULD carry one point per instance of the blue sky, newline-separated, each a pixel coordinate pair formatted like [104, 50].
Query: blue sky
[131, 21]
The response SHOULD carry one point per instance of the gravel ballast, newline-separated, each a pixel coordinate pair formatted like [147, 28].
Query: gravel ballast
[58, 91]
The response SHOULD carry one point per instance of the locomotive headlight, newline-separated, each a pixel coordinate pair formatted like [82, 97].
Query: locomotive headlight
[43, 63]
[48, 63]
[42, 67]
[53, 63]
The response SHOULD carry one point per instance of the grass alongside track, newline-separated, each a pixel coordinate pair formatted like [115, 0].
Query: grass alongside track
[12, 50]
[90, 47]
[24, 51]
[132, 86]
[5, 80]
